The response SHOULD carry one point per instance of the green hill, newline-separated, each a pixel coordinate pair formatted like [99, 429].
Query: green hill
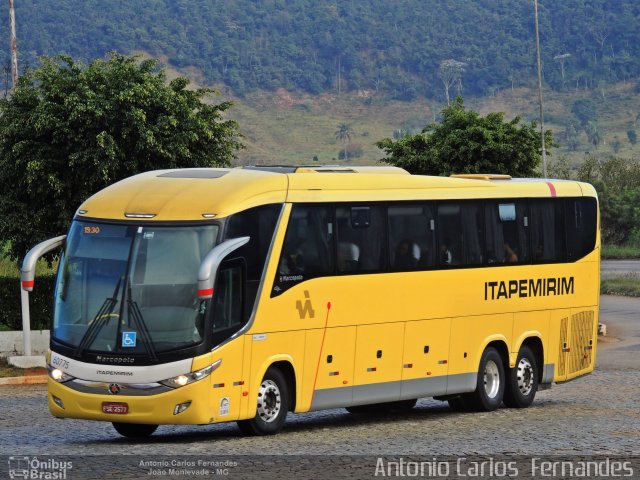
[298, 68]
[294, 127]
[369, 46]
[285, 127]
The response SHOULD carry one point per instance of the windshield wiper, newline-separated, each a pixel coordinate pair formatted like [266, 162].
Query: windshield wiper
[136, 315]
[99, 321]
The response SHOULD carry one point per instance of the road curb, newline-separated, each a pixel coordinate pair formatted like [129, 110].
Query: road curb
[26, 380]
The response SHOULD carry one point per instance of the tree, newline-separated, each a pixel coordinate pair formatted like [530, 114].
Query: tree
[571, 137]
[450, 72]
[594, 134]
[617, 181]
[616, 144]
[465, 142]
[585, 111]
[561, 59]
[344, 134]
[69, 130]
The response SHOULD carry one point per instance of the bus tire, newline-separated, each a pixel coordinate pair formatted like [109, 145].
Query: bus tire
[134, 430]
[491, 383]
[522, 382]
[272, 406]
[386, 407]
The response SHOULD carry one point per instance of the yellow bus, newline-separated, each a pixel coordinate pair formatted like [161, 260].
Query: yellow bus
[199, 296]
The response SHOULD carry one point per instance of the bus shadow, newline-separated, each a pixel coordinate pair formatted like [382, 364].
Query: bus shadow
[296, 424]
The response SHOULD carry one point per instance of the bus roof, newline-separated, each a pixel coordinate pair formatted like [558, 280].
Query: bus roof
[204, 193]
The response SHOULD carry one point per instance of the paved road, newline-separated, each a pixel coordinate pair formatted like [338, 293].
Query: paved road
[616, 268]
[598, 414]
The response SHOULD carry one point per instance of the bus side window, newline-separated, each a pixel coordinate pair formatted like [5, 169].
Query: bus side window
[307, 251]
[581, 217]
[460, 234]
[361, 238]
[258, 224]
[228, 301]
[411, 237]
[506, 232]
[547, 231]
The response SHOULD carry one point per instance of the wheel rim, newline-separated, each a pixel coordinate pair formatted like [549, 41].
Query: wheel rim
[269, 401]
[491, 379]
[525, 376]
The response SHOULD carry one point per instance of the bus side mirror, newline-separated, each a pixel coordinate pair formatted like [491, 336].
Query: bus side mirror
[28, 270]
[210, 264]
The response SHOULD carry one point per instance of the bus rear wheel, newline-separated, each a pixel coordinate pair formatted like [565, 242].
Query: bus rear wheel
[272, 406]
[491, 383]
[134, 430]
[522, 383]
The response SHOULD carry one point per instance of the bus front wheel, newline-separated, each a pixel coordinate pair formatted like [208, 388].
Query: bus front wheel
[522, 383]
[272, 406]
[134, 430]
[491, 382]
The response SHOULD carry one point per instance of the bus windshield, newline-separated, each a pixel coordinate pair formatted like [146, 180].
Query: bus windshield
[131, 289]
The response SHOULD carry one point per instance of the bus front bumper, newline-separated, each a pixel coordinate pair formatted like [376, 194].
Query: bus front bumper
[188, 405]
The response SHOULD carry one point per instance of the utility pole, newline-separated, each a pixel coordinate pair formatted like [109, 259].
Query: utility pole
[14, 45]
[544, 151]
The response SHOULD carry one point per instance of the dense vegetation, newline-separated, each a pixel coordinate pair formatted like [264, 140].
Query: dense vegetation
[617, 181]
[403, 49]
[69, 130]
[465, 142]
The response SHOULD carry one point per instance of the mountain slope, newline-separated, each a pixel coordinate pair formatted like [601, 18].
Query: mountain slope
[377, 46]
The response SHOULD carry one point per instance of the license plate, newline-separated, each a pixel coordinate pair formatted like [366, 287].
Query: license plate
[114, 407]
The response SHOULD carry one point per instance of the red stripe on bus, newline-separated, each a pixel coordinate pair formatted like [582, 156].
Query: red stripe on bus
[324, 334]
[552, 189]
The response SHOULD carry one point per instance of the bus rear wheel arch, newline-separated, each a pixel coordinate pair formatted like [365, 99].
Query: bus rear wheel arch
[272, 405]
[522, 380]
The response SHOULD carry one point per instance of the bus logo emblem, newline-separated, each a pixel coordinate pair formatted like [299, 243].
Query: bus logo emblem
[129, 339]
[114, 389]
[307, 309]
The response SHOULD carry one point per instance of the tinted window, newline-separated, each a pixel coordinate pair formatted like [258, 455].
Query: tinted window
[227, 313]
[361, 238]
[506, 232]
[259, 224]
[307, 251]
[581, 217]
[460, 234]
[411, 237]
[547, 231]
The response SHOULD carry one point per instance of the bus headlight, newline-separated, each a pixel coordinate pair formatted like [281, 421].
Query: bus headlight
[187, 378]
[58, 375]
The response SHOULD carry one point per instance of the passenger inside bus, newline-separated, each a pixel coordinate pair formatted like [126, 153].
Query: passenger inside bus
[407, 255]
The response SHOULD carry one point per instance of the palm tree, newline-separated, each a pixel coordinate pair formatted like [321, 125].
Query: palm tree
[344, 133]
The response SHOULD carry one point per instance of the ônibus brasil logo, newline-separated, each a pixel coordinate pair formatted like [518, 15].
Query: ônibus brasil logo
[21, 467]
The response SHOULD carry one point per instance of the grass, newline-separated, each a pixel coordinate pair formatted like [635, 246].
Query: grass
[7, 370]
[627, 285]
[291, 128]
[617, 252]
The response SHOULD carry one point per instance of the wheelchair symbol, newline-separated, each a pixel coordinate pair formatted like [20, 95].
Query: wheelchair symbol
[128, 339]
